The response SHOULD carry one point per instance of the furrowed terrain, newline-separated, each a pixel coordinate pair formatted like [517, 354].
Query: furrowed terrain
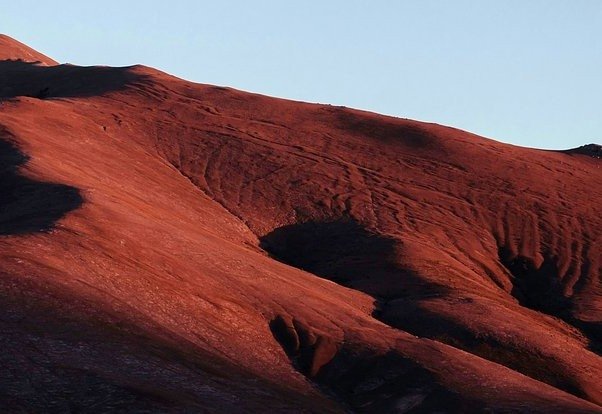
[167, 246]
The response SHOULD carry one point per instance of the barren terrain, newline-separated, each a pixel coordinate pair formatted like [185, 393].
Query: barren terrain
[167, 246]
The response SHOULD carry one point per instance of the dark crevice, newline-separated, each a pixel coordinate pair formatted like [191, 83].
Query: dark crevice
[310, 350]
[539, 288]
[536, 288]
[28, 205]
[364, 380]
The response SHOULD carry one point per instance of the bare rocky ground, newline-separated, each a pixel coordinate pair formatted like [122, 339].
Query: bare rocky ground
[176, 247]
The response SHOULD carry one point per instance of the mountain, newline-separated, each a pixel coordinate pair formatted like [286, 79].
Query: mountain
[168, 246]
[11, 49]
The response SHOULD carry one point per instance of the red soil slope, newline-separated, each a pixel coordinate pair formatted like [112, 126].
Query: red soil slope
[175, 247]
[11, 49]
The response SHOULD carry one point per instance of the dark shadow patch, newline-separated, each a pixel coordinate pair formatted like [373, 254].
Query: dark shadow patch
[385, 129]
[540, 289]
[342, 251]
[62, 81]
[593, 150]
[27, 205]
[411, 317]
[537, 288]
[390, 383]
[347, 253]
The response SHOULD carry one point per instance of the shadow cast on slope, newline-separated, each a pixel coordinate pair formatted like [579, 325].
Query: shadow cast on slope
[347, 253]
[388, 130]
[540, 289]
[28, 205]
[21, 78]
[536, 288]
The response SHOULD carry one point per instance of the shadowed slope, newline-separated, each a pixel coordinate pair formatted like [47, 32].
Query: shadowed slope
[85, 358]
[593, 150]
[28, 205]
[61, 81]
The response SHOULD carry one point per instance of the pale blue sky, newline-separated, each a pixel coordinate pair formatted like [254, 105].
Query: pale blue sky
[527, 72]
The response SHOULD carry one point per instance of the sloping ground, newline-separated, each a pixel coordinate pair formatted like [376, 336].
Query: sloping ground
[171, 247]
[11, 49]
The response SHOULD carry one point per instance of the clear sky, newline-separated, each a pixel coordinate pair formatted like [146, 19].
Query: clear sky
[528, 72]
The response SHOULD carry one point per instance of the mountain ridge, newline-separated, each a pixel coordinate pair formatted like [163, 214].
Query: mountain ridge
[462, 263]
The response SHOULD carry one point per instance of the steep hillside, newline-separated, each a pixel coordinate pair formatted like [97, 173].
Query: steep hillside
[176, 247]
[11, 49]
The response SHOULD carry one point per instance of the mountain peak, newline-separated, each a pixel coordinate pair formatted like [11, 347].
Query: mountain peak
[593, 150]
[11, 49]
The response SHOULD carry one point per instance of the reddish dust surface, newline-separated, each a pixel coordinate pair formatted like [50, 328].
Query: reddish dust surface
[169, 246]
